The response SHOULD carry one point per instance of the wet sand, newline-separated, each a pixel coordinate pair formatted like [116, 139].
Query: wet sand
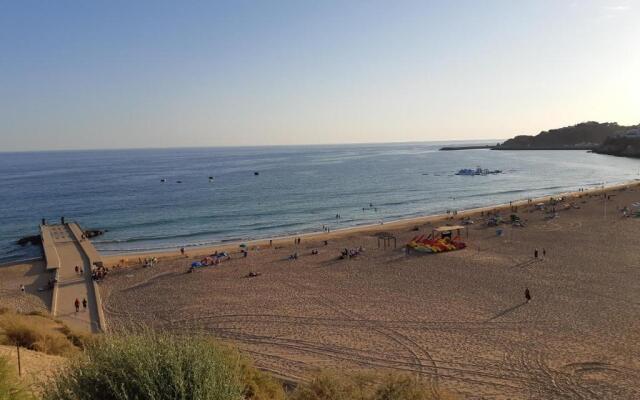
[457, 319]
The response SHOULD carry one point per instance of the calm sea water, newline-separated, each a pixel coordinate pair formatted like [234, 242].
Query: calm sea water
[298, 190]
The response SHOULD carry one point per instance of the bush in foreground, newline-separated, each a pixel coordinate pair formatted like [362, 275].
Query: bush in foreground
[10, 387]
[151, 365]
[35, 332]
[330, 386]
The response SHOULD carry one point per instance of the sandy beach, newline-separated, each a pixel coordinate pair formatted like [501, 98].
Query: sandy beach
[459, 319]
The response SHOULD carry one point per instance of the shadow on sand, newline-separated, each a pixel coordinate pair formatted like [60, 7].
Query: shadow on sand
[507, 311]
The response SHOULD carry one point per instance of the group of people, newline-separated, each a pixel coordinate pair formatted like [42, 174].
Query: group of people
[99, 273]
[536, 253]
[77, 304]
[350, 253]
[149, 262]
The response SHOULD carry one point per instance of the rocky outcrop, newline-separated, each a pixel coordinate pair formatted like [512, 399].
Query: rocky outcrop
[625, 145]
[34, 240]
[93, 233]
[583, 136]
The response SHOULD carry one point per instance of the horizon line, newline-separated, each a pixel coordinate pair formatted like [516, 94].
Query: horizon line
[488, 141]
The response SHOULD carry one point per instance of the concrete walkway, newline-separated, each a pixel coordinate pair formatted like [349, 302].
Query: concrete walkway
[72, 285]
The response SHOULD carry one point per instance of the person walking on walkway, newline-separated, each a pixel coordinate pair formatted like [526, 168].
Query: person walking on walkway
[77, 304]
[84, 304]
[527, 294]
[535, 253]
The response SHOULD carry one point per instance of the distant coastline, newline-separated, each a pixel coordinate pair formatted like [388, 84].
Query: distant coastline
[604, 138]
[455, 148]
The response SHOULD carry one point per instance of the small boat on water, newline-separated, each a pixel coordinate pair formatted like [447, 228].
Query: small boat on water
[477, 171]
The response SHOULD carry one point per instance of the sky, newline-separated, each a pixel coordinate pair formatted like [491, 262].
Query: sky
[131, 74]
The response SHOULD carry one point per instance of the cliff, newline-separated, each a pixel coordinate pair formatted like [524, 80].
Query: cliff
[583, 136]
[624, 145]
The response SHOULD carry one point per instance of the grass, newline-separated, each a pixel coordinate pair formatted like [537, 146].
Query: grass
[392, 386]
[153, 365]
[35, 332]
[10, 387]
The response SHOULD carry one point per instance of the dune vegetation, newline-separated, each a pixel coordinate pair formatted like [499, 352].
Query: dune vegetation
[147, 364]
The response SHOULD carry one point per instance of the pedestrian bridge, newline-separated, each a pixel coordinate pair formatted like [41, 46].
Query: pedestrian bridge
[66, 248]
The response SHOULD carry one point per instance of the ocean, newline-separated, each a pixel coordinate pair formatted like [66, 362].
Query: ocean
[298, 189]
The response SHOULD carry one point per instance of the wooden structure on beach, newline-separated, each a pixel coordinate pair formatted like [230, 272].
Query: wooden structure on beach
[386, 239]
[450, 228]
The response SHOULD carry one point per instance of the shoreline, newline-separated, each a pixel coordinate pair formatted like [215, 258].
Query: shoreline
[259, 244]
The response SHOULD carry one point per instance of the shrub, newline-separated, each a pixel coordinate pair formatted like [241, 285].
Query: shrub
[10, 387]
[258, 385]
[149, 365]
[17, 331]
[330, 386]
[38, 313]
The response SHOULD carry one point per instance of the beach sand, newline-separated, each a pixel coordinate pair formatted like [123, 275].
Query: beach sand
[457, 319]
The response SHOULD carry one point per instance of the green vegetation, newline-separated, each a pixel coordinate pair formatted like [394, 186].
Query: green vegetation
[330, 386]
[37, 332]
[152, 365]
[10, 386]
[156, 365]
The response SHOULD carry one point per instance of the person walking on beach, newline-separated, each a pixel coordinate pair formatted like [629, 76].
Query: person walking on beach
[84, 304]
[535, 253]
[77, 304]
[527, 294]
[182, 250]
[77, 269]
[544, 253]
[22, 288]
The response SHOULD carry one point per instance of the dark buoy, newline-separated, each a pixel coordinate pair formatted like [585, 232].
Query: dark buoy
[256, 173]
[211, 178]
[178, 181]
[163, 180]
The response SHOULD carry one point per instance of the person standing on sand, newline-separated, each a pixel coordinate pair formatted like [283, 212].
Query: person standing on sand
[22, 288]
[84, 304]
[77, 304]
[77, 269]
[182, 250]
[544, 253]
[535, 253]
[527, 294]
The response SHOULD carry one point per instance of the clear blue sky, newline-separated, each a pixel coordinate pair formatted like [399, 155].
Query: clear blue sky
[111, 74]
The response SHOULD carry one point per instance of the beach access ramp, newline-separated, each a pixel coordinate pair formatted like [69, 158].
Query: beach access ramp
[66, 248]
